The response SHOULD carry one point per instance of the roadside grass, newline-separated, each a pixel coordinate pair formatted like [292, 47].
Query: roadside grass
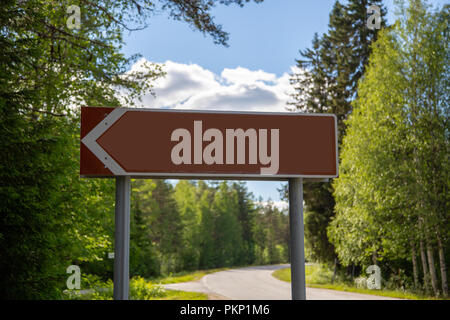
[283, 274]
[140, 289]
[182, 295]
[317, 276]
[184, 276]
[167, 295]
[147, 289]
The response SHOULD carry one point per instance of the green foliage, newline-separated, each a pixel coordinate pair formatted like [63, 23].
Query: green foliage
[227, 230]
[392, 193]
[319, 276]
[210, 226]
[314, 274]
[326, 82]
[271, 235]
[143, 290]
[183, 295]
[155, 228]
[49, 217]
[247, 219]
[186, 198]
[96, 289]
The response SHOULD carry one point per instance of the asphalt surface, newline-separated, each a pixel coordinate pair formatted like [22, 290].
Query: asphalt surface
[257, 283]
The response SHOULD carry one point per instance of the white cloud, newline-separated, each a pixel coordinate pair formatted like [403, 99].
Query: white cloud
[280, 205]
[245, 76]
[190, 86]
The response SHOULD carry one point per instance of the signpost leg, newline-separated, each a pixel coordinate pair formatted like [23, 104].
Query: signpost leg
[122, 238]
[297, 239]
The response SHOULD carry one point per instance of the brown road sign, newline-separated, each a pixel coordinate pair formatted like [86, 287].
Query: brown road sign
[211, 145]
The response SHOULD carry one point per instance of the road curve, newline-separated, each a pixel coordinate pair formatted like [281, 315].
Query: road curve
[257, 283]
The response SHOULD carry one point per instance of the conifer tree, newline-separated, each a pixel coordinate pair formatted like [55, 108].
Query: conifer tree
[326, 83]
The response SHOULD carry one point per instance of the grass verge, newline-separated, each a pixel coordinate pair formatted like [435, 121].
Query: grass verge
[184, 276]
[140, 289]
[182, 295]
[318, 277]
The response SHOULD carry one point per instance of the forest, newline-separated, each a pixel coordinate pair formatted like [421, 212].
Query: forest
[388, 87]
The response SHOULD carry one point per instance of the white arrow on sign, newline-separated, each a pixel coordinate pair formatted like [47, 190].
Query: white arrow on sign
[90, 141]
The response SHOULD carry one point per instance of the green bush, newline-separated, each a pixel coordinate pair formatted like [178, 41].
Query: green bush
[140, 289]
[318, 274]
[95, 289]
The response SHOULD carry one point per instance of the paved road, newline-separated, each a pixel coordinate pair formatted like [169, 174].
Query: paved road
[257, 283]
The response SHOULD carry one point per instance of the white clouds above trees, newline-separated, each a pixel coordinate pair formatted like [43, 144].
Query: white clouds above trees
[190, 86]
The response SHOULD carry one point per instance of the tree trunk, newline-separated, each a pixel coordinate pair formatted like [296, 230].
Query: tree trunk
[432, 269]
[442, 264]
[431, 266]
[335, 270]
[426, 276]
[414, 263]
[375, 258]
[426, 283]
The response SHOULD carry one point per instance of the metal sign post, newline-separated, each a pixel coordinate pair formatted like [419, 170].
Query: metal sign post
[122, 238]
[298, 285]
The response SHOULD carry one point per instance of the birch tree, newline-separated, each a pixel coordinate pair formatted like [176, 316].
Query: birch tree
[392, 192]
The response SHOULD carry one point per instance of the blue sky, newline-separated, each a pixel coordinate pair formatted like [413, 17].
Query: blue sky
[263, 36]
[251, 74]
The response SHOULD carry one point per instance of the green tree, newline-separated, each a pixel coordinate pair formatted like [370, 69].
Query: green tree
[186, 199]
[47, 70]
[165, 227]
[228, 231]
[246, 217]
[326, 83]
[392, 190]
[144, 257]
[271, 234]
[260, 231]
[205, 196]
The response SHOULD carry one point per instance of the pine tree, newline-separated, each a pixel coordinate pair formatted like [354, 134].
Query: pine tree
[326, 83]
[143, 254]
[205, 196]
[246, 217]
[228, 231]
[166, 227]
[187, 204]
